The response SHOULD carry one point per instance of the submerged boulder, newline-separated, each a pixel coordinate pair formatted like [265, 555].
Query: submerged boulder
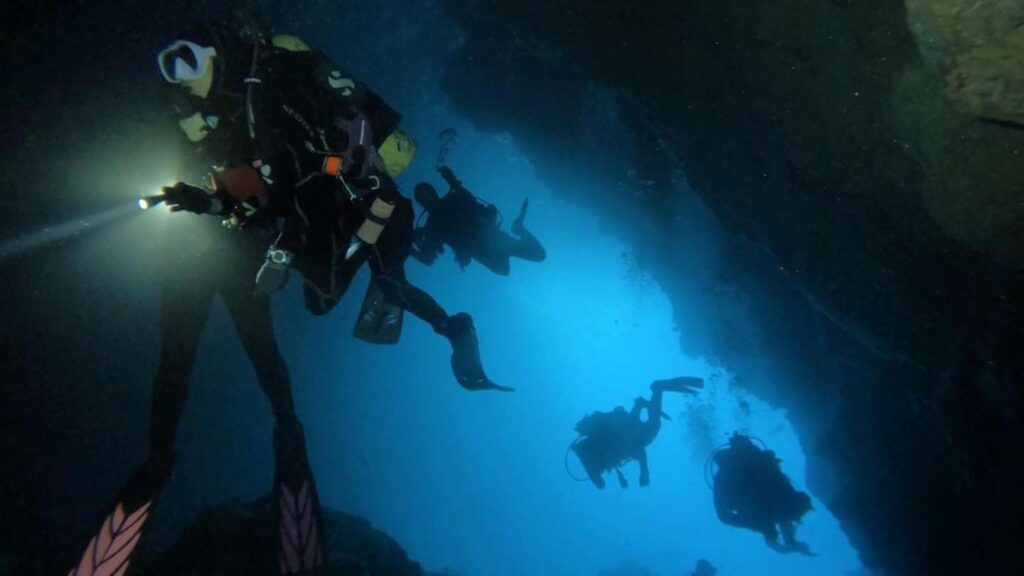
[977, 46]
[237, 538]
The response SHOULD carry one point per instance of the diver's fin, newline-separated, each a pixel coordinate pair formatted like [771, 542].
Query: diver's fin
[300, 548]
[380, 322]
[684, 384]
[466, 365]
[110, 551]
[113, 547]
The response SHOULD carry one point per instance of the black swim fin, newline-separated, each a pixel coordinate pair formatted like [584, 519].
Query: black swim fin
[380, 322]
[466, 365]
[517, 225]
[684, 384]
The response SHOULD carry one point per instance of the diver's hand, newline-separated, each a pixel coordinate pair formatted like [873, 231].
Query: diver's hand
[273, 275]
[447, 174]
[183, 197]
[645, 480]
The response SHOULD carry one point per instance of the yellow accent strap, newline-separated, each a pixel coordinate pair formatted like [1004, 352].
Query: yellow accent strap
[370, 230]
[289, 43]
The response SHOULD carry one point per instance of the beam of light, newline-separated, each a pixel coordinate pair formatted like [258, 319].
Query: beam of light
[48, 235]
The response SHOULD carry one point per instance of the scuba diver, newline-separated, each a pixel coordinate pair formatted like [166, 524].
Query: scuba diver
[471, 228]
[752, 492]
[326, 149]
[609, 440]
[219, 115]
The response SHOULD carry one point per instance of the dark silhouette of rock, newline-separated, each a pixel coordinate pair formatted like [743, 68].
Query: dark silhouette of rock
[237, 538]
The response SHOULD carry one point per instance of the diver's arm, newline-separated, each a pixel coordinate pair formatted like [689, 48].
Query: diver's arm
[456, 189]
[425, 248]
[645, 472]
[449, 177]
[183, 197]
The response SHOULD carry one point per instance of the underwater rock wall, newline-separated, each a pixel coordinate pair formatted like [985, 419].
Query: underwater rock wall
[871, 211]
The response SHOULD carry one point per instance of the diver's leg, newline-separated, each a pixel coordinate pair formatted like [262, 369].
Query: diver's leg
[183, 313]
[622, 478]
[652, 425]
[760, 522]
[300, 532]
[184, 309]
[253, 321]
[645, 472]
[789, 541]
[496, 260]
[654, 412]
[527, 247]
[401, 293]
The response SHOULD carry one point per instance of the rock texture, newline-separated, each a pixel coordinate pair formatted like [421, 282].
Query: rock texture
[973, 53]
[872, 223]
[977, 47]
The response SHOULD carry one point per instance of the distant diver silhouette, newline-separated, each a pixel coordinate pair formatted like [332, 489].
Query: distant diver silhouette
[609, 440]
[750, 491]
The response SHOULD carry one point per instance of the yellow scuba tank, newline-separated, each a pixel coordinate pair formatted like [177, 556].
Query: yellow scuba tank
[397, 152]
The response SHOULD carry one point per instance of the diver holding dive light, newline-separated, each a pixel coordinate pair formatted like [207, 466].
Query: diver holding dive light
[205, 70]
[304, 143]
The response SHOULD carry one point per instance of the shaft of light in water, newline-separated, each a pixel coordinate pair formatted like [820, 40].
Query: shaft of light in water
[47, 235]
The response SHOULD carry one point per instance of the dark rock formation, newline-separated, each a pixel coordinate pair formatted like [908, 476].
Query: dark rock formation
[237, 538]
[977, 48]
[870, 208]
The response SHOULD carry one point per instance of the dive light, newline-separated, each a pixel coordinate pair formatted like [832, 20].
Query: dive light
[147, 202]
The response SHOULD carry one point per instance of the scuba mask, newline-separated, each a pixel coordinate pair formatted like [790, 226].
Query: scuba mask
[184, 61]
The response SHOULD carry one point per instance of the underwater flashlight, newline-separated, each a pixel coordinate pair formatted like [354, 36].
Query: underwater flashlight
[148, 202]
